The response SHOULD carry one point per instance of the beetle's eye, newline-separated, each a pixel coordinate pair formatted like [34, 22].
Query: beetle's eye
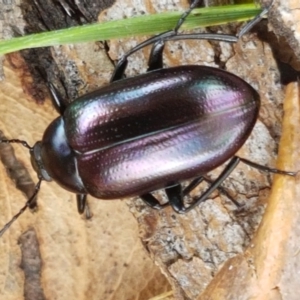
[45, 175]
[37, 148]
[37, 163]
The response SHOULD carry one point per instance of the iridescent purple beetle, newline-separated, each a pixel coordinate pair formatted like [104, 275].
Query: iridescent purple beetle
[149, 132]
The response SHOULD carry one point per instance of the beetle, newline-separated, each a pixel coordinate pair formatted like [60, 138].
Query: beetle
[149, 132]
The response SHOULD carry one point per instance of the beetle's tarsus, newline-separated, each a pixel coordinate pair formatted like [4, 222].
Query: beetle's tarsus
[267, 169]
[254, 21]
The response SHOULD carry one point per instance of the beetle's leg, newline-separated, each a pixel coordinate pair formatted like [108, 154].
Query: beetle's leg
[215, 184]
[254, 21]
[266, 169]
[193, 184]
[88, 214]
[172, 35]
[155, 61]
[151, 201]
[156, 56]
[122, 63]
[82, 205]
[167, 36]
[222, 37]
[175, 194]
[81, 202]
[234, 161]
[226, 172]
[225, 192]
[57, 99]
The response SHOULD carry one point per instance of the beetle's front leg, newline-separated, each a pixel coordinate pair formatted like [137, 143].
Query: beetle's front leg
[82, 205]
[57, 100]
[81, 202]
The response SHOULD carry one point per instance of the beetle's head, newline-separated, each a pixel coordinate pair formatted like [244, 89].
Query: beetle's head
[51, 158]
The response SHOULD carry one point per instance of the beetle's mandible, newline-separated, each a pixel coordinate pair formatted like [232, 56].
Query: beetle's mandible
[149, 132]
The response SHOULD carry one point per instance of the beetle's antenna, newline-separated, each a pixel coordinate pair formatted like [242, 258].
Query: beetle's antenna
[28, 203]
[37, 187]
[17, 141]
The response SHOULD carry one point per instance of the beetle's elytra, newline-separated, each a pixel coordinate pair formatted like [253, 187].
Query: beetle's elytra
[148, 132]
[144, 133]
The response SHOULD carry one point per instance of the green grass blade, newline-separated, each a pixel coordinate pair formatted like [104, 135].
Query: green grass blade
[143, 25]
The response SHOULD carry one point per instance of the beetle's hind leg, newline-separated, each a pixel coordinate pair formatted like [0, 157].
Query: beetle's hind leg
[266, 169]
[226, 172]
[175, 193]
[225, 192]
